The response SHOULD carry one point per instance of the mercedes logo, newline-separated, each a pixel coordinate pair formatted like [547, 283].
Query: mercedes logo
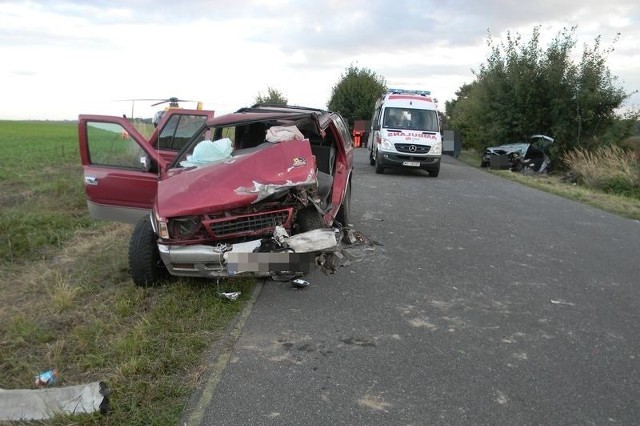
[413, 148]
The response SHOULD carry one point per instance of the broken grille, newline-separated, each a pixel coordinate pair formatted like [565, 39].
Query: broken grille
[252, 224]
[417, 149]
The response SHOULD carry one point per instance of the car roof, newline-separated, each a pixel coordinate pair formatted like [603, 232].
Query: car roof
[283, 108]
[245, 117]
[323, 115]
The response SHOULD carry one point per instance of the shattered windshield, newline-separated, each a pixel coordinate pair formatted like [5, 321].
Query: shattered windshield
[216, 144]
[410, 119]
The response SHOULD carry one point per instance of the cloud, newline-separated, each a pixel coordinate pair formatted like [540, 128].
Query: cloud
[225, 53]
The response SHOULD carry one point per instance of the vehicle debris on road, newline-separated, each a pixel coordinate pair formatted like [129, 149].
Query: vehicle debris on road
[300, 283]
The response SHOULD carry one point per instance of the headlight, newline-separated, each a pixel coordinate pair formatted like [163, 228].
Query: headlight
[386, 144]
[184, 227]
[436, 149]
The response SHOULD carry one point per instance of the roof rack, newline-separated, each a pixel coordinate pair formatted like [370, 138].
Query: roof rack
[406, 91]
[280, 108]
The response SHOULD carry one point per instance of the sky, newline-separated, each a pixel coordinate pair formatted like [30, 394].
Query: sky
[59, 58]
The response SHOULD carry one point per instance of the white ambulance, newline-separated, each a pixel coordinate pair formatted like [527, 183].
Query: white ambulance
[405, 132]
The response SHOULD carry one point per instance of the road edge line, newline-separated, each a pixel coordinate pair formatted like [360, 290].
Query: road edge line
[194, 414]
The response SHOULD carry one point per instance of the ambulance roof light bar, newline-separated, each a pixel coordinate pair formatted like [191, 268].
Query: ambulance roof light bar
[413, 92]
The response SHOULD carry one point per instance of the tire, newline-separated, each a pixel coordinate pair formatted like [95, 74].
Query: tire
[372, 161]
[379, 168]
[517, 166]
[344, 214]
[434, 172]
[309, 219]
[145, 265]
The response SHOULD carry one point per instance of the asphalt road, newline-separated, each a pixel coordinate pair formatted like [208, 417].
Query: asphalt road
[489, 303]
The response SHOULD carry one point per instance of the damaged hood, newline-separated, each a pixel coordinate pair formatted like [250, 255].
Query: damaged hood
[246, 177]
[509, 148]
[520, 147]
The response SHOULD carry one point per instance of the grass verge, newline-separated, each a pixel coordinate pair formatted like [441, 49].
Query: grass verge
[624, 206]
[67, 299]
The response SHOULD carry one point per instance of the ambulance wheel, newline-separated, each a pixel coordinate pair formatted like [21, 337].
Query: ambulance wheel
[433, 172]
[379, 168]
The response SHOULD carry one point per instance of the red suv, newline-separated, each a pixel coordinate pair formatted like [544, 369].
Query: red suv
[263, 191]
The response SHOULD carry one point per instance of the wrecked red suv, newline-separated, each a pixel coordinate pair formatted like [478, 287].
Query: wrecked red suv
[264, 191]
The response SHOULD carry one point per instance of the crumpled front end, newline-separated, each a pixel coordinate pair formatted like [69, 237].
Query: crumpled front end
[238, 216]
[241, 199]
[277, 254]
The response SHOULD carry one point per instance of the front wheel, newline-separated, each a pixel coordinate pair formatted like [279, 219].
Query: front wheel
[434, 172]
[309, 219]
[145, 265]
[344, 214]
[379, 168]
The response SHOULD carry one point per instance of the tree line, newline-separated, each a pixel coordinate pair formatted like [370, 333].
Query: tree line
[522, 89]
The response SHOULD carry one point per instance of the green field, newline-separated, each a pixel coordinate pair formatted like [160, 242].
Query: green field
[67, 299]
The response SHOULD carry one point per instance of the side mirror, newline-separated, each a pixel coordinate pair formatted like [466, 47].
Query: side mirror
[145, 162]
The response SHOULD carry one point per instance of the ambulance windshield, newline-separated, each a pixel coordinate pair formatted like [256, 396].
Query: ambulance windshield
[410, 119]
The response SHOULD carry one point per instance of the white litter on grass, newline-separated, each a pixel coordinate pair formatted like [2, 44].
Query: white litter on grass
[562, 302]
[42, 404]
[231, 296]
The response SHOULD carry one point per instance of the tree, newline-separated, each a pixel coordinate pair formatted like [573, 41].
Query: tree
[274, 97]
[355, 95]
[450, 107]
[523, 89]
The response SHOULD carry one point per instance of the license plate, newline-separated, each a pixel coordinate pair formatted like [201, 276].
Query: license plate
[269, 262]
[411, 163]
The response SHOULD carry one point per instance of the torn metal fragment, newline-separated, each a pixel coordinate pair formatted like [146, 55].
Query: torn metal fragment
[232, 296]
[300, 283]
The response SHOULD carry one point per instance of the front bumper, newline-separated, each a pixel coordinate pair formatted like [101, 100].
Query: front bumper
[299, 254]
[392, 159]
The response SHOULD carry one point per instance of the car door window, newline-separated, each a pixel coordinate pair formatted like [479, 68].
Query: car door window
[178, 131]
[342, 128]
[110, 144]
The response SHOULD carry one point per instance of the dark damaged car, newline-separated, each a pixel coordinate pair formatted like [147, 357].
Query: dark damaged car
[264, 191]
[530, 156]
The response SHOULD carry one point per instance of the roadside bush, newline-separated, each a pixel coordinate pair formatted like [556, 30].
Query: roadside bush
[609, 168]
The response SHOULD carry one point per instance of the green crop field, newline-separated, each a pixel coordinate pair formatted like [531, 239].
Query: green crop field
[41, 193]
[67, 299]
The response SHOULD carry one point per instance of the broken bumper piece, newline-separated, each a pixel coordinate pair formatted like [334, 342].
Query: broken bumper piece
[301, 253]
